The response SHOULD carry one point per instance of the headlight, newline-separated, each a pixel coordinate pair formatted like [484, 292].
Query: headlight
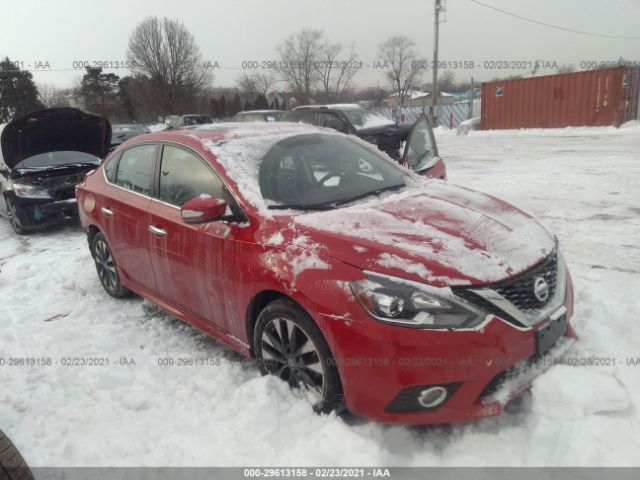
[412, 304]
[29, 191]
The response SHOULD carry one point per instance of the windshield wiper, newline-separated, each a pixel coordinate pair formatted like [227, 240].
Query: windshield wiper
[370, 192]
[335, 203]
[304, 206]
[63, 166]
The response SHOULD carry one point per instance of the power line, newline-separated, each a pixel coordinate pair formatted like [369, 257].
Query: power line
[557, 27]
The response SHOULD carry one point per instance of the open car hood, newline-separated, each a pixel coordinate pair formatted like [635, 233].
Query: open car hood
[53, 130]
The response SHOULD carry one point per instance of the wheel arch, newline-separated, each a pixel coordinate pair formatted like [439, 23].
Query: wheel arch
[257, 304]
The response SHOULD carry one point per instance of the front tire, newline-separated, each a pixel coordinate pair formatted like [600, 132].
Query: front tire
[12, 465]
[107, 268]
[289, 345]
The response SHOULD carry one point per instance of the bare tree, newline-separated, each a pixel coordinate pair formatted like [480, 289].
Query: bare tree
[335, 68]
[403, 65]
[254, 84]
[298, 57]
[52, 96]
[167, 62]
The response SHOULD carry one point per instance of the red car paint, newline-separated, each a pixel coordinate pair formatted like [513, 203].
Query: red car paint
[210, 275]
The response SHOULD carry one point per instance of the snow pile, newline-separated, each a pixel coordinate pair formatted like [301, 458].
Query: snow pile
[567, 392]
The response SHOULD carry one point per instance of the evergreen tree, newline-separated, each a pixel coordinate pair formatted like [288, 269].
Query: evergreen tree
[236, 105]
[222, 107]
[261, 102]
[124, 97]
[18, 92]
[99, 90]
[214, 109]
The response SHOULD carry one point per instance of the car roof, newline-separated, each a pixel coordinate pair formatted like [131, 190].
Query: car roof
[334, 106]
[218, 132]
[261, 111]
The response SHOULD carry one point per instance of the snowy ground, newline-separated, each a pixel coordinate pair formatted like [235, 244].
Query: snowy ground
[583, 183]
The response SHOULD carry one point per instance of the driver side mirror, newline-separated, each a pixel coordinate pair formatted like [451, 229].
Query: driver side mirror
[4, 170]
[203, 210]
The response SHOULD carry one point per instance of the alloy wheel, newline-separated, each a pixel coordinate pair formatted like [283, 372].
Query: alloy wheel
[106, 266]
[289, 353]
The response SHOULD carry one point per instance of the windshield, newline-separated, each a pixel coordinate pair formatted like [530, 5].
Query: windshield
[55, 159]
[197, 120]
[314, 170]
[274, 116]
[361, 119]
[130, 128]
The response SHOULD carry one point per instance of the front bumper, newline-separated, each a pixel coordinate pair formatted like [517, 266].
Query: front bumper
[39, 214]
[377, 361]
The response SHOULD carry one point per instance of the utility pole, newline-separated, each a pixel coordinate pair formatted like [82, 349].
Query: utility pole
[434, 85]
[471, 97]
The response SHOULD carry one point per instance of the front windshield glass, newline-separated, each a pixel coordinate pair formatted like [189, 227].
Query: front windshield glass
[130, 128]
[361, 119]
[318, 169]
[197, 120]
[55, 159]
[274, 116]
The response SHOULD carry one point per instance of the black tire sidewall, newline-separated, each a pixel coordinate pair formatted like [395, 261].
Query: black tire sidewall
[285, 308]
[18, 468]
[9, 204]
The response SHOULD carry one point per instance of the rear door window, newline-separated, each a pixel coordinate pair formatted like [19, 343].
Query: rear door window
[303, 116]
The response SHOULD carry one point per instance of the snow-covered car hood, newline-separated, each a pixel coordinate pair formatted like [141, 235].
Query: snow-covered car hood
[439, 234]
[55, 129]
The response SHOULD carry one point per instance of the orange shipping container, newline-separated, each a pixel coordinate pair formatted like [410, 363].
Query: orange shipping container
[607, 96]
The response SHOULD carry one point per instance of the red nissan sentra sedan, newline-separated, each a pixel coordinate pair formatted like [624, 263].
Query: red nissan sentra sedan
[401, 298]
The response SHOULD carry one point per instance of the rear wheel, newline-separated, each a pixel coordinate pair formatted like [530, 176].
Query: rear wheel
[12, 465]
[107, 268]
[16, 223]
[289, 345]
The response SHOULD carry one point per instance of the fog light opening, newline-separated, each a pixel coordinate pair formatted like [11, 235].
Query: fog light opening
[432, 397]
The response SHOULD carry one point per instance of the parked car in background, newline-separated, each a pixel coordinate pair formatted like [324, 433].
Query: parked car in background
[340, 272]
[260, 116]
[45, 155]
[177, 121]
[121, 132]
[381, 131]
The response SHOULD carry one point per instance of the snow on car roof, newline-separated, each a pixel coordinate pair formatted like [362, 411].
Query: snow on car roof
[336, 106]
[238, 147]
[261, 111]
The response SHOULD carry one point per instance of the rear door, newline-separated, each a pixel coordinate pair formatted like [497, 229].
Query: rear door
[123, 211]
[193, 264]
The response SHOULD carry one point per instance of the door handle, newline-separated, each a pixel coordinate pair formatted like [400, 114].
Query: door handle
[159, 232]
[106, 212]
